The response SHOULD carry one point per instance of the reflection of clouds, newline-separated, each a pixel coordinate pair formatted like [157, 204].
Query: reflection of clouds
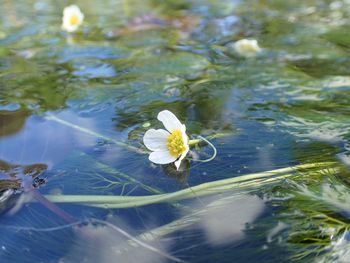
[93, 70]
[81, 138]
[226, 223]
[274, 232]
[37, 142]
[47, 141]
[112, 155]
[339, 251]
[101, 243]
[265, 160]
[328, 131]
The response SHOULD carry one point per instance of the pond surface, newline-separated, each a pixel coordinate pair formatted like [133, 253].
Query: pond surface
[74, 109]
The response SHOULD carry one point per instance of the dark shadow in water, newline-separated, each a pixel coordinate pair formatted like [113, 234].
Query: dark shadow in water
[12, 122]
[180, 175]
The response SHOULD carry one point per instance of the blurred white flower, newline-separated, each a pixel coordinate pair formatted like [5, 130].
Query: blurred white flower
[169, 145]
[72, 18]
[246, 47]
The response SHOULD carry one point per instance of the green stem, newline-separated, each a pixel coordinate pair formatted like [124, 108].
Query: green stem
[210, 137]
[212, 146]
[250, 181]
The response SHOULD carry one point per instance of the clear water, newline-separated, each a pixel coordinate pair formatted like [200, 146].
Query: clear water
[132, 59]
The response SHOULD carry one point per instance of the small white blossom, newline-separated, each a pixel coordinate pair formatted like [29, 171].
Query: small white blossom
[170, 145]
[72, 18]
[246, 47]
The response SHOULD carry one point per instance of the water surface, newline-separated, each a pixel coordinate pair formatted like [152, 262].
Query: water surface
[66, 98]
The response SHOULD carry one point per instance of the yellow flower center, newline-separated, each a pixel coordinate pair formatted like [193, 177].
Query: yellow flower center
[176, 144]
[74, 20]
[249, 47]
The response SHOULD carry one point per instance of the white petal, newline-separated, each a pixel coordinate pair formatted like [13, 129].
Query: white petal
[246, 47]
[156, 140]
[68, 12]
[178, 162]
[170, 121]
[68, 27]
[184, 136]
[71, 9]
[161, 157]
[80, 16]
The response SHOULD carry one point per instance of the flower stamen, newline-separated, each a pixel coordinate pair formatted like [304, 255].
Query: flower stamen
[175, 143]
[74, 20]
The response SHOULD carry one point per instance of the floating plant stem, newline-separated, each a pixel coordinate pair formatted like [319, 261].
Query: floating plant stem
[95, 134]
[193, 142]
[51, 117]
[244, 182]
[212, 146]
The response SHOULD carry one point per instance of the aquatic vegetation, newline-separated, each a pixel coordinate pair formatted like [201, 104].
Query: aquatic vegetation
[266, 177]
[170, 145]
[244, 182]
[72, 18]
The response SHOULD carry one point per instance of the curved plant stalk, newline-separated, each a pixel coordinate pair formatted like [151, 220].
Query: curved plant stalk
[212, 157]
[117, 142]
[199, 139]
[244, 182]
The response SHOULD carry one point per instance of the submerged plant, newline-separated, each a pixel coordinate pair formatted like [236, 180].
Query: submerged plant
[318, 217]
[170, 145]
[72, 18]
[241, 183]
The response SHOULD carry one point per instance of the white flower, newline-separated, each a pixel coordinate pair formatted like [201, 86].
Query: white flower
[169, 145]
[246, 47]
[72, 18]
